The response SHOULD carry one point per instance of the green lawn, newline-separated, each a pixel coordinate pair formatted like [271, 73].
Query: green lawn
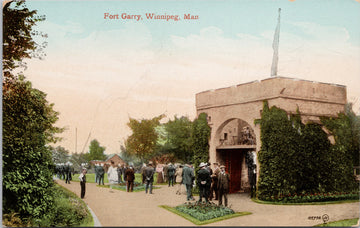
[342, 223]
[90, 178]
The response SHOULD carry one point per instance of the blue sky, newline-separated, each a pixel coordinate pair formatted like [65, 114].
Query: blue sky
[100, 72]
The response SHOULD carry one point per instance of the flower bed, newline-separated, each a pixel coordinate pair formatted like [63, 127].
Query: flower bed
[315, 197]
[204, 211]
[201, 213]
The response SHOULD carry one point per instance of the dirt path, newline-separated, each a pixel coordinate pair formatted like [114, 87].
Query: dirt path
[118, 208]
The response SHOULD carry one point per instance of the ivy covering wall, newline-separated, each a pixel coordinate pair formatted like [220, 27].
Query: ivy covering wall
[297, 159]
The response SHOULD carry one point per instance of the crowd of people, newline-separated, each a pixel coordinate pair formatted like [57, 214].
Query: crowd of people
[64, 171]
[212, 183]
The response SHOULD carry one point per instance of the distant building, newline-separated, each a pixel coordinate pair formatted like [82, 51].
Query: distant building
[112, 157]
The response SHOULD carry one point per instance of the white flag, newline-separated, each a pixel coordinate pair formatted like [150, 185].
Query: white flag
[276, 48]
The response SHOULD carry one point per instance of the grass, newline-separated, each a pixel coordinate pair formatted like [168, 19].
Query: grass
[123, 188]
[90, 178]
[198, 222]
[342, 223]
[307, 203]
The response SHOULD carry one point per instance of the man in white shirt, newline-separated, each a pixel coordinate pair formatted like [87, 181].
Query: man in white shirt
[82, 178]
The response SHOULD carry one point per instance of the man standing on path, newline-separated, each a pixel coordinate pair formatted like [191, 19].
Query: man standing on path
[171, 174]
[188, 178]
[214, 183]
[130, 177]
[82, 178]
[178, 178]
[101, 173]
[149, 177]
[67, 173]
[203, 181]
[223, 185]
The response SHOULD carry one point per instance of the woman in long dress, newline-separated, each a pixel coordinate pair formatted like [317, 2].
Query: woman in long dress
[112, 173]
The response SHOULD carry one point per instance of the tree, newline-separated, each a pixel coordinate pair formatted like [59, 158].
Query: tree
[28, 121]
[96, 152]
[142, 141]
[60, 154]
[18, 33]
[178, 138]
[200, 135]
[77, 159]
[346, 131]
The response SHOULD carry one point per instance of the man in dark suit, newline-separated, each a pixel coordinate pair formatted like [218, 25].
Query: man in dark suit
[223, 185]
[67, 173]
[130, 177]
[149, 177]
[187, 179]
[101, 173]
[203, 181]
[171, 174]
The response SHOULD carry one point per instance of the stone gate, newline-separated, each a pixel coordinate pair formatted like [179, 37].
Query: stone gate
[231, 113]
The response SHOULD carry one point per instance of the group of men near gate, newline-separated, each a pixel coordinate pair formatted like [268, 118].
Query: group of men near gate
[208, 181]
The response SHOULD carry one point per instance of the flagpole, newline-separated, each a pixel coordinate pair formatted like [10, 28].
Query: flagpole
[274, 66]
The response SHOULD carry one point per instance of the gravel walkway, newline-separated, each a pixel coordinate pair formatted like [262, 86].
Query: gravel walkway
[119, 208]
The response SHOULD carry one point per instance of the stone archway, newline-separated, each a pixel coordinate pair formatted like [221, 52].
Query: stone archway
[235, 137]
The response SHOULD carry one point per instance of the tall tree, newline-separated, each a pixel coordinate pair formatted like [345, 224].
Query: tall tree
[60, 154]
[178, 138]
[96, 152]
[27, 162]
[18, 33]
[200, 135]
[142, 141]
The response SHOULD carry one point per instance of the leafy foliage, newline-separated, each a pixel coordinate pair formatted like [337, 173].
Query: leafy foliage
[346, 130]
[67, 211]
[77, 159]
[18, 33]
[96, 152]
[296, 158]
[27, 162]
[59, 154]
[142, 142]
[200, 136]
[178, 132]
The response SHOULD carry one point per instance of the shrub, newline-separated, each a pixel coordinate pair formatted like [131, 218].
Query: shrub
[296, 158]
[67, 210]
